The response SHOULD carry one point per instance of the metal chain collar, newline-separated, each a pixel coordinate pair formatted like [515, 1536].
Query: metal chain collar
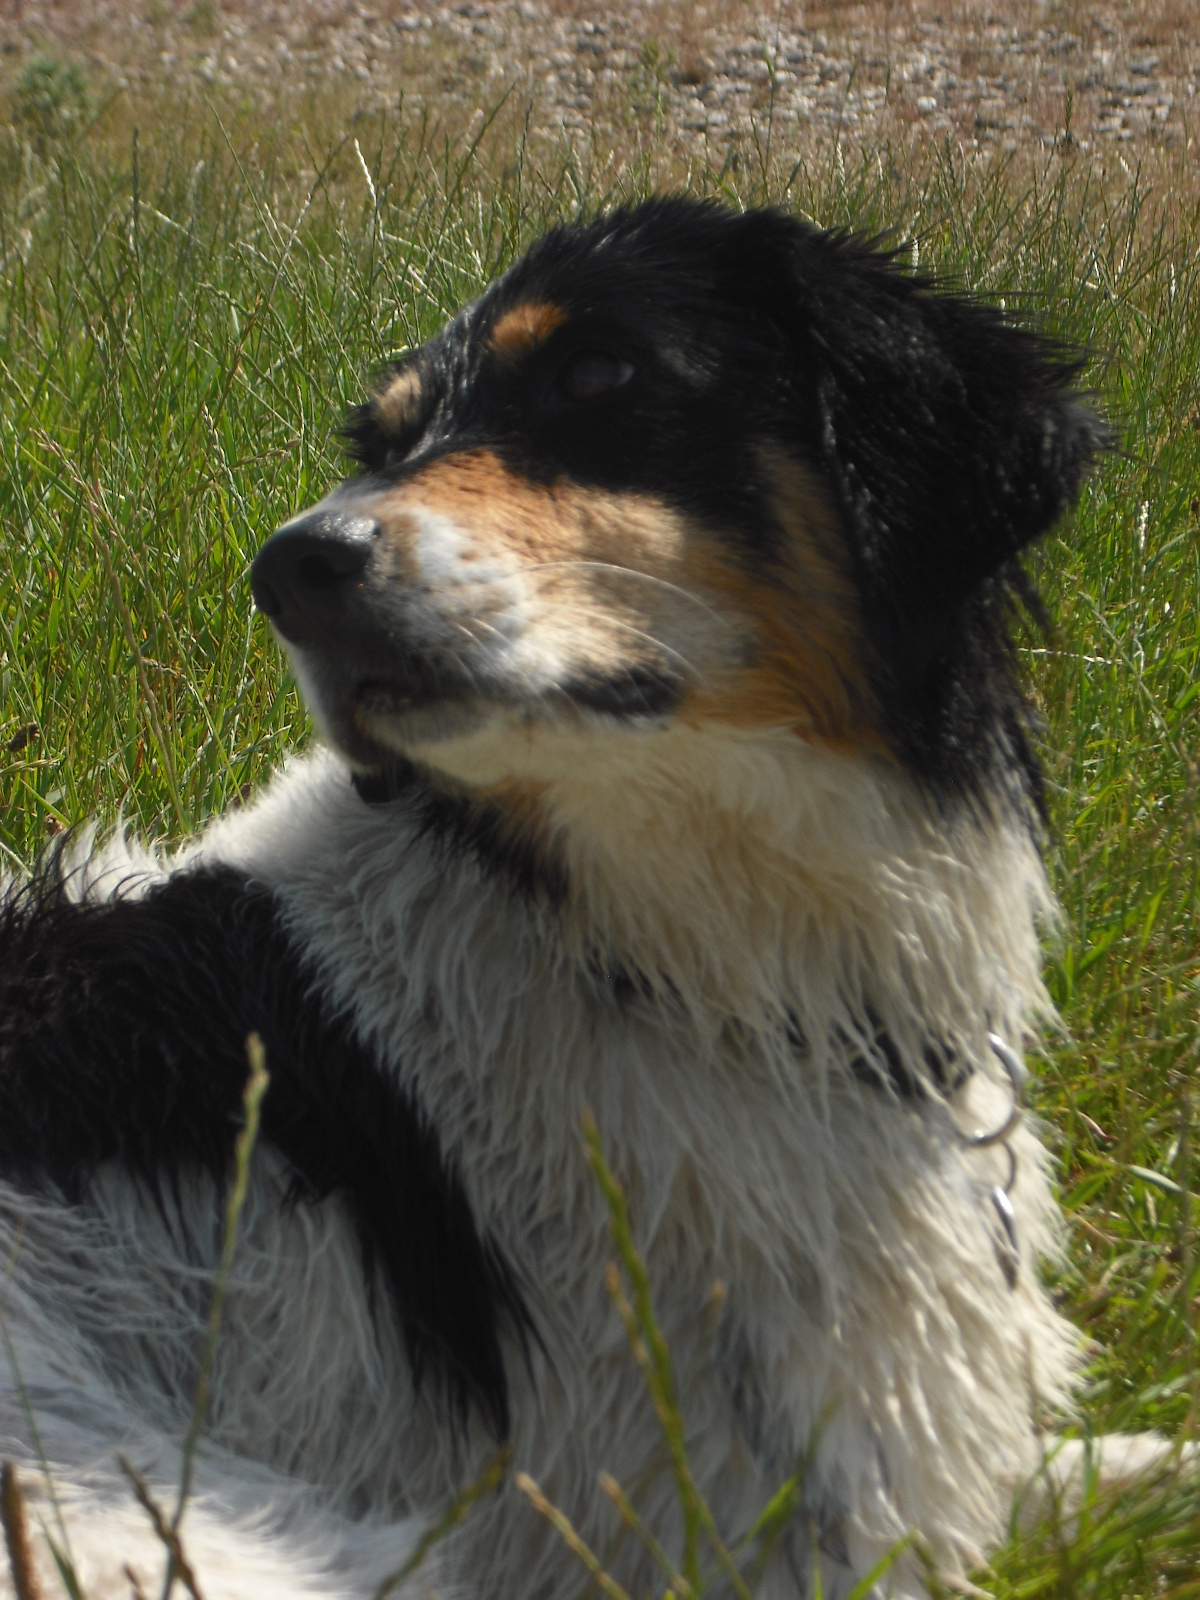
[1008, 1250]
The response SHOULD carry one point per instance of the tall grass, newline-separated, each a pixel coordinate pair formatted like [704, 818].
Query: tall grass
[187, 307]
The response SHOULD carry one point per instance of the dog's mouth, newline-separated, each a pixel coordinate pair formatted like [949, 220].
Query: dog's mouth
[386, 697]
[426, 708]
[420, 715]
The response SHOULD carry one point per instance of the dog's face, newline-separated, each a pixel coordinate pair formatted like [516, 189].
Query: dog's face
[683, 466]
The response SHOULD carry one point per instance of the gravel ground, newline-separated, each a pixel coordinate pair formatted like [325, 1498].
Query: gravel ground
[706, 78]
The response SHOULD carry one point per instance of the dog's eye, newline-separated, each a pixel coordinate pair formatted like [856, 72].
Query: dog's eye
[594, 374]
[396, 457]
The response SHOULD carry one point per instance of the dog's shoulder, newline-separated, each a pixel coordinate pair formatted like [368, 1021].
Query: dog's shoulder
[126, 1005]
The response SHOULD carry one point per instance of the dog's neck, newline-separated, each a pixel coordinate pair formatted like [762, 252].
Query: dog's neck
[772, 961]
[795, 887]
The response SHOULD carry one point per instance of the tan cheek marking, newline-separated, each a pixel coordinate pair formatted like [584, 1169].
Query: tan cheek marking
[808, 670]
[399, 404]
[586, 550]
[809, 653]
[525, 327]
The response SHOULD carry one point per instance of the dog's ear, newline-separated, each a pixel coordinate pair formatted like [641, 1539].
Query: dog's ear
[951, 438]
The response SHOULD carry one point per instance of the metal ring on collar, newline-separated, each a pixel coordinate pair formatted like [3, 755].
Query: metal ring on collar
[1017, 1077]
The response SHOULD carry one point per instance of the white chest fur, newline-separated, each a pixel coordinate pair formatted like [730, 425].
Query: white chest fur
[865, 1320]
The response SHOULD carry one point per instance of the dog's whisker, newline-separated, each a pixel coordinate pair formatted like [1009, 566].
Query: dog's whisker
[633, 574]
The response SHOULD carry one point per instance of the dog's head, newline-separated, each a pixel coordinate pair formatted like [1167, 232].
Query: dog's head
[682, 466]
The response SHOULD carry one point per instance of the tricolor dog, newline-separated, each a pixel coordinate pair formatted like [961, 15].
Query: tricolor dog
[673, 768]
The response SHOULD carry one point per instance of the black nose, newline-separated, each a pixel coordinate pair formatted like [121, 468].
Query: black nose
[304, 575]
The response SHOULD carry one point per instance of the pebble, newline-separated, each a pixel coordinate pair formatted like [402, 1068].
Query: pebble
[707, 73]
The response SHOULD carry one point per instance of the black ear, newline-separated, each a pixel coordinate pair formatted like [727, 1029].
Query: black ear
[951, 440]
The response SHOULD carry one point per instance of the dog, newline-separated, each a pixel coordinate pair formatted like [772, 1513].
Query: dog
[674, 769]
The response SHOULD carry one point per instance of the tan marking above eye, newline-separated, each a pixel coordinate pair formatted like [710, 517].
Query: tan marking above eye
[525, 327]
[398, 404]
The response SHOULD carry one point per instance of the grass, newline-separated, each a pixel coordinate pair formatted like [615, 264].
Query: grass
[187, 305]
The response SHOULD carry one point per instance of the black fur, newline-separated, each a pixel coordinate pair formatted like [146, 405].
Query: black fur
[461, 826]
[123, 1030]
[949, 438]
